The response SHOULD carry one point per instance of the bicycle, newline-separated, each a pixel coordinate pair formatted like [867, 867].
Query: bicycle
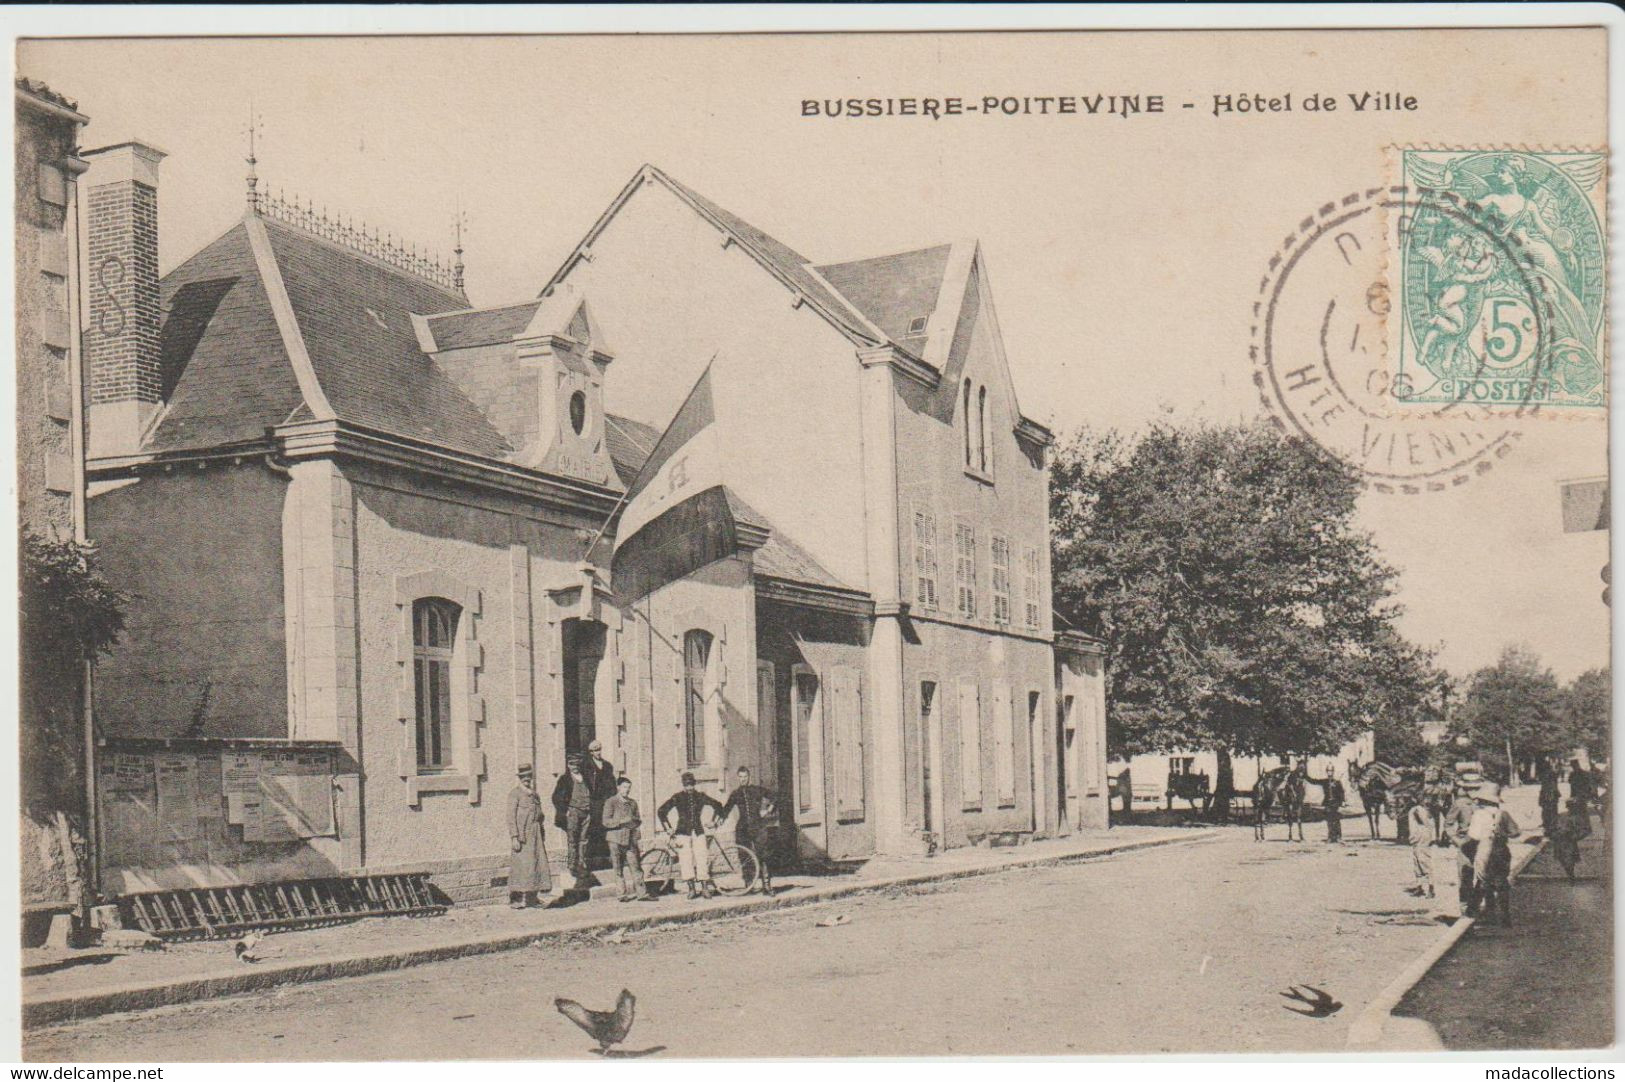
[735, 869]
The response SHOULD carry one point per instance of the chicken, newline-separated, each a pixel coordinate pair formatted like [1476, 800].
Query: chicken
[1321, 1004]
[606, 1027]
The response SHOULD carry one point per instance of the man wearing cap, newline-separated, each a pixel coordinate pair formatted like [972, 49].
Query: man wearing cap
[757, 811]
[689, 835]
[572, 808]
[1491, 829]
[527, 870]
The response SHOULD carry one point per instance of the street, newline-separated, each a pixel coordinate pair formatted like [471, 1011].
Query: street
[1184, 948]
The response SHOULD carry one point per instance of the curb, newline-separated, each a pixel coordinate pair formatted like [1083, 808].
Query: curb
[1366, 1033]
[133, 997]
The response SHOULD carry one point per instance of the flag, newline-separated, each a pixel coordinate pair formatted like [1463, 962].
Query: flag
[678, 516]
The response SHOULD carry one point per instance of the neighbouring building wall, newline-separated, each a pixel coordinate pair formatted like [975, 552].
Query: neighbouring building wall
[203, 648]
[47, 478]
[1081, 716]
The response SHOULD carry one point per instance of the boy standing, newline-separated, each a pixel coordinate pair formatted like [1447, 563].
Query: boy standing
[621, 825]
[689, 835]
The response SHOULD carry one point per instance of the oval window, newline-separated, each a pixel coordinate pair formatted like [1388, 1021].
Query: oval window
[578, 412]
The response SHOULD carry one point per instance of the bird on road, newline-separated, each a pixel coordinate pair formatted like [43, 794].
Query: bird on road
[1320, 1004]
[606, 1027]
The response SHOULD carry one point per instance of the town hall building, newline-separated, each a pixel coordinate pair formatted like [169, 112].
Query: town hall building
[699, 499]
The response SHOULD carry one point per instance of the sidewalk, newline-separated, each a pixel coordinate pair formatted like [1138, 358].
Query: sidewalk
[97, 981]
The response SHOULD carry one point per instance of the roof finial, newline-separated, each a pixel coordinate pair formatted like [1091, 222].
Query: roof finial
[458, 223]
[256, 126]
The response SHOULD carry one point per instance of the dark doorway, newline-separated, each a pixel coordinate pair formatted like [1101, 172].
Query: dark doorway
[583, 651]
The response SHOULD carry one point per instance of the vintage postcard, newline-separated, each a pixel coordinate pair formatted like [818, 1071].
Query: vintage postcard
[1052, 542]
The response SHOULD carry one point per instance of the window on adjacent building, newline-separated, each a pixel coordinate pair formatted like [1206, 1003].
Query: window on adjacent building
[805, 705]
[970, 745]
[983, 457]
[1030, 598]
[434, 640]
[970, 429]
[1001, 580]
[925, 559]
[696, 663]
[965, 569]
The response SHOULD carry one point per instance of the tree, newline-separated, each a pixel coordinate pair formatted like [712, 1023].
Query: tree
[1588, 712]
[68, 614]
[1514, 704]
[1242, 608]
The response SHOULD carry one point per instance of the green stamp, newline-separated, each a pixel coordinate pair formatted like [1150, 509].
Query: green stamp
[1501, 279]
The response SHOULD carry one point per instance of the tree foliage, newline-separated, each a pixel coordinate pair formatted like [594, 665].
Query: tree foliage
[1517, 703]
[1242, 608]
[1588, 710]
[68, 613]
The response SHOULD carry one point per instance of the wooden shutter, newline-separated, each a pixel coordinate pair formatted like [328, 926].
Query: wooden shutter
[846, 700]
[970, 744]
[1004, 760]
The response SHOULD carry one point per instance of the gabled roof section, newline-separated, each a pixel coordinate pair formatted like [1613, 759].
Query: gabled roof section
[780, 260]
[227, 375]
[894, 291]
[481, 327]
[354, 315]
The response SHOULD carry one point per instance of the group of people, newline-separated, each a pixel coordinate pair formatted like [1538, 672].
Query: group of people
[1587, 789]
[591, 802]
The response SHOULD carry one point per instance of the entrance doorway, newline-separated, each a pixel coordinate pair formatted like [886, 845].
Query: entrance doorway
[583, 652]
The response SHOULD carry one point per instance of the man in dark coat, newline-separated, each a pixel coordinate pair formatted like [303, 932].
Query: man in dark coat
[572, 812]
[1333, 805]
[757, 816]
[527, 870]
[601, 782]
[689, 834]
[1581, 790]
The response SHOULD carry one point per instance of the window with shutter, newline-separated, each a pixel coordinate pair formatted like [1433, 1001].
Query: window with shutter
[1001, 579]
[1030, 597]
[965, 569]
[767, 723]
[1004, 757]
[970, 745]
[925, 559]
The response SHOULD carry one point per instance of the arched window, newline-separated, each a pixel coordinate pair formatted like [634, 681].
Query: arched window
[696, 663]
[982, 427]
[434, 638]
[966, 414]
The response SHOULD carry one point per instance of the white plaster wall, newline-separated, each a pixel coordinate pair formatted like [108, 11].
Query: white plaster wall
[670, 297]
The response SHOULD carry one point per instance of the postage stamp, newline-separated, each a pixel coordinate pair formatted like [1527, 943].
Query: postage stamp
[1500, 279]
[1323, 317]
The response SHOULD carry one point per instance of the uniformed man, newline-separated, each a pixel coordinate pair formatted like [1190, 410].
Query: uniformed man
[1334, 807]
[527, 870]
[689, 834]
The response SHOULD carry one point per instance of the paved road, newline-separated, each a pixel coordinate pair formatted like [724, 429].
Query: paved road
[1178, 949]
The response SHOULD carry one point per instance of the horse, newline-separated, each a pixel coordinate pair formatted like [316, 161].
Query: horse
[1283, 786]
[1396, 790]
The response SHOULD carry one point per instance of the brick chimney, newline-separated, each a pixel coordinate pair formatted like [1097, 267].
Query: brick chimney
[123, 363]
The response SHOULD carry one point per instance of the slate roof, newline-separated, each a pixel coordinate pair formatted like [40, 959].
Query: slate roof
[224, 366]
[629, 444]
[483, 327]
[355, 314]
[893, 290]
[782, 558]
